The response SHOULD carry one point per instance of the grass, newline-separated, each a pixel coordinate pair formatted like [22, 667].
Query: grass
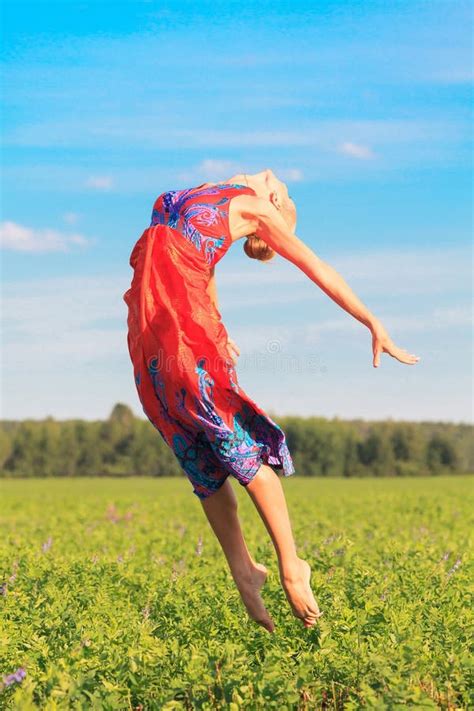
[116, 596]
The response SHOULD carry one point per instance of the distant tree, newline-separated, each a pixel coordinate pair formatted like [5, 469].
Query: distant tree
[375, 453]
[89, 455]
[71, 447]
[440, 454]
[352, 465]
[6, 445]
[123, 415]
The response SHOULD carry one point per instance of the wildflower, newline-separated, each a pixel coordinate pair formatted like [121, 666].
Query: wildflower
[455, 567]
[112, 514]
[199, 546]
[446, 555]
[15, 678]
[3, 589]
[13, 576]
[177, 568]
[47, 545]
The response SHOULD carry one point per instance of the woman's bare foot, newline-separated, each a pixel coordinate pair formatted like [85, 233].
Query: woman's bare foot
[249, 585]
[296, 584]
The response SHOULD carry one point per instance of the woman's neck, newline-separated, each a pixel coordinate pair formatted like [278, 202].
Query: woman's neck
[246, 179]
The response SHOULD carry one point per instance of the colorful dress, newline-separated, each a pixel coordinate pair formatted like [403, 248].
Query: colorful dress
[185, 377]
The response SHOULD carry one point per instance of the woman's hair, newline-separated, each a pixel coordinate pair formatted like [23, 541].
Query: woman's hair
[256, 248]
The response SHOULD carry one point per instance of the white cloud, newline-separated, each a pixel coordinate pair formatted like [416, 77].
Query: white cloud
[147, 132]
[210, 170]
[100, 182]
[453, 316]
[292, 175]
[215, 169]
[356, 150]
[71, 218]
[460, 76]
[25, 239]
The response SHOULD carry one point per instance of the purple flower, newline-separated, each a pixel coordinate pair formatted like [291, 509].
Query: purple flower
[112, 514]
[15, 678]
[3, 589]
[455, 567]
[47, 545]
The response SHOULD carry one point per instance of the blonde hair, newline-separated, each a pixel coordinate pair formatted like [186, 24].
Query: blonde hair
[256, 248]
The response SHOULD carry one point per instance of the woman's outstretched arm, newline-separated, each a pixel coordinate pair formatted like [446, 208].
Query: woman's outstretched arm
[272, 228]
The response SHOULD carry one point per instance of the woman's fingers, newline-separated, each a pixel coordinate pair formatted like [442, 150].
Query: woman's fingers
[377, 350]
[234, 350]
[402, 355]
[234, 346]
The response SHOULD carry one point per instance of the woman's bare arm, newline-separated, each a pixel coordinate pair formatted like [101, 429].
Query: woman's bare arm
[272, 228]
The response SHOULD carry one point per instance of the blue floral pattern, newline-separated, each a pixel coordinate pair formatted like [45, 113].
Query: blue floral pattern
[196, 219]
[217, 450]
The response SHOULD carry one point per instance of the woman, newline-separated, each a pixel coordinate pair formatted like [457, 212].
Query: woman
[184, 364]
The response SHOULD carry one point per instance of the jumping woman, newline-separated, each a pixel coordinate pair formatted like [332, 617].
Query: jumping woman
[184, 364]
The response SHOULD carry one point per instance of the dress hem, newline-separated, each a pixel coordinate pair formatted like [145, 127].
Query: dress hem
[285, 467]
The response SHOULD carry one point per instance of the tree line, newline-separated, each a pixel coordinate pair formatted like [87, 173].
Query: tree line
[125, 445]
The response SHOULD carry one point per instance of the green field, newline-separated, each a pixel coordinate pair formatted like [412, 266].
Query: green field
[116, 596]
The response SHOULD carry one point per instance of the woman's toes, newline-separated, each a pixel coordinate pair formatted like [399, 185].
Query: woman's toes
[249, 587]
[268, 624]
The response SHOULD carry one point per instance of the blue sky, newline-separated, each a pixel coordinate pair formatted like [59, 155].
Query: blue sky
[364, 108]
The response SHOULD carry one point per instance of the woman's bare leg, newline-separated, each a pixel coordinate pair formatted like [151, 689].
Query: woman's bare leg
[266, 492]
[221, 511]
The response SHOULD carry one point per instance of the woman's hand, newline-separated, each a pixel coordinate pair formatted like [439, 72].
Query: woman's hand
[234, 350]
[382, 343]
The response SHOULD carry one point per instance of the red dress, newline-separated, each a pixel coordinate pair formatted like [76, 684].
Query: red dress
[185, 378]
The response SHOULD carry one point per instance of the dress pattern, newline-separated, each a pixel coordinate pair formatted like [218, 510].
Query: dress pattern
[186, 381]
